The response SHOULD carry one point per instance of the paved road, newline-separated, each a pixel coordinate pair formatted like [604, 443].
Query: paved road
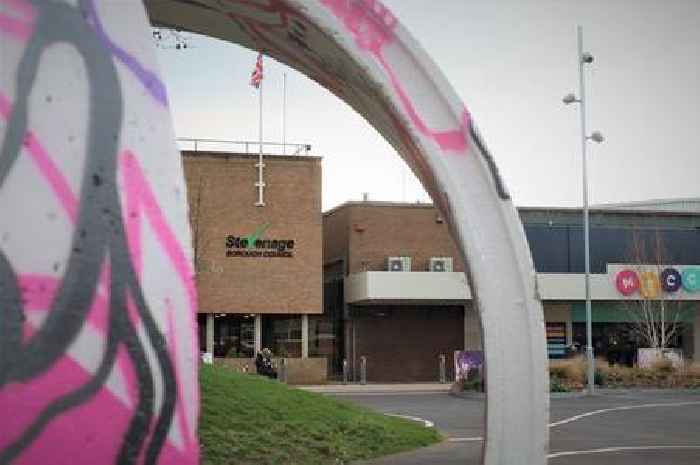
[618, 427]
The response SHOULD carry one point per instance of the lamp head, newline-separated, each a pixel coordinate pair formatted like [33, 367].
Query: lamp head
[569, 98]
[587, 58]
[596, 136]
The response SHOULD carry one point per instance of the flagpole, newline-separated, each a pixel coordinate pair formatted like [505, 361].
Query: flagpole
[260, 164]
[284, 114]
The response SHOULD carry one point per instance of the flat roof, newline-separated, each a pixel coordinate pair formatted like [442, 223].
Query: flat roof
[251, 156]
[596, 210]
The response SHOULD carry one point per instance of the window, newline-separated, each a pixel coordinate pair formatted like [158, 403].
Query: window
[282, 335]
[234, 335]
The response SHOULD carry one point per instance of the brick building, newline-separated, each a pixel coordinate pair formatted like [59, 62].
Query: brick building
[384, 280]
[258, 268]
[403, 321]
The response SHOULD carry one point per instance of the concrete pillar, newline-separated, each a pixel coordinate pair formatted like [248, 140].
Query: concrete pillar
[258, 333]
[472, 329]
[304, 336]
[210, 333]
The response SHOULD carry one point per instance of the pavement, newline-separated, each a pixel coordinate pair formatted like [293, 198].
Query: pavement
[361, 389]
[656, 427]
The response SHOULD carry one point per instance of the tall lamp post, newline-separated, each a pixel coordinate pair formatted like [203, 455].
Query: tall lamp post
[585, 58]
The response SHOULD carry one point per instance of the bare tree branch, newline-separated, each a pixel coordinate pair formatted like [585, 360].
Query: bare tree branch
[655, 321]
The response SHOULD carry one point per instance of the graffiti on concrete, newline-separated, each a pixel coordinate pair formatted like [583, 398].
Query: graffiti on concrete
[97, 359]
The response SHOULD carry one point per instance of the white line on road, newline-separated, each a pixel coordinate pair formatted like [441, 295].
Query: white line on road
[614, 409]
[619, 449]
[427, 423]
[591, 413]
[475, 439]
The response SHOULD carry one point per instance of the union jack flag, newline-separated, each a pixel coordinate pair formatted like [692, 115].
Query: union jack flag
[256, 76]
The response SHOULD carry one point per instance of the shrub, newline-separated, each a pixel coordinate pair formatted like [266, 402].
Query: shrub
[663, 366]
[556, 385]
[692, 368]
[572, 370]
[600, 377]
[473, 381]
[557, 369]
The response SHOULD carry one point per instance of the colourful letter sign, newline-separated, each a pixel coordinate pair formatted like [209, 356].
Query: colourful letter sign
[649, 284]
[691, 279]
[627, 282]
[670, 280]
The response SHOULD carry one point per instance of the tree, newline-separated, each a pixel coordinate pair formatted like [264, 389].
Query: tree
[656, 317]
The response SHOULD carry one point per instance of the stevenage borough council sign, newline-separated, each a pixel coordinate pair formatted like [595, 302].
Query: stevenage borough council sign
[254, 246]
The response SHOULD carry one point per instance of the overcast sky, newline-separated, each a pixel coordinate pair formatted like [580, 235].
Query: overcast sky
[511, 62]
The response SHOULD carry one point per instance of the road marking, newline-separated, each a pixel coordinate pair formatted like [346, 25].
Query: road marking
[591, 413]
[614, 409]
[475, 439]
[427, 423]
[619, 449]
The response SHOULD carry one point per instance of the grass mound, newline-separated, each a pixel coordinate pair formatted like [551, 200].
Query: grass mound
[248, 420]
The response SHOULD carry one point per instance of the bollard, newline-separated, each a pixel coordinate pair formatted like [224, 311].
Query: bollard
[345, 371]
[443, 373]
[282, 374]
[363, 370]
[481, 377]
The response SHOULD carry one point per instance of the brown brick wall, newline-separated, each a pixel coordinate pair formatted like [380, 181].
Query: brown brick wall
[222, 196]
[377, 231]
[335, 240]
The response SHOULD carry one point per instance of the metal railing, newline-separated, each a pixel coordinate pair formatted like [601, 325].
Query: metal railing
[245, 146]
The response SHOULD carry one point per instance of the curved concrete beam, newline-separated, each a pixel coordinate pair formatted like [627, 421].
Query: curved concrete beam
[99, 304]
[360, 52]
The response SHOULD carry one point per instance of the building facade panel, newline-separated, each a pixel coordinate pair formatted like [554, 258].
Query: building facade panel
[396, 230]
[282, 272]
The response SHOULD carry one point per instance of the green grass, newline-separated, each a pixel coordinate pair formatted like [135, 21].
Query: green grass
[250, 420]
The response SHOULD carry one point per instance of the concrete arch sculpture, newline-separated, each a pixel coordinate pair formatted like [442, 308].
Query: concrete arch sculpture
[96, 283]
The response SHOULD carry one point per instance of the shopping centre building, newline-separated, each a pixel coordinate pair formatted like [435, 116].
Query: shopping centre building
[406, 300]
[384, 282]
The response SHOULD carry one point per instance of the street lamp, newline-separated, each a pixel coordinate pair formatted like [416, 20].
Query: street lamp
[585, 58]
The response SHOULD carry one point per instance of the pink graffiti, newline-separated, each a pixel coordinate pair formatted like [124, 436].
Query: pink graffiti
[38, 291]
[87, 431]
[46, 166]
[370, 22]
[21, 24]
[141, 199]
[138, 196]
[188, 433]
[33, 397]
[372, 25]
